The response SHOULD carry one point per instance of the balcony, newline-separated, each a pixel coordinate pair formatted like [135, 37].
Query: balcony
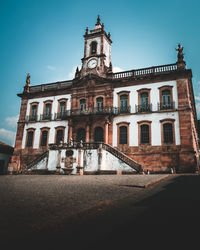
[124, 110]
[143, 108]
[94, 111]
[166, 106]
[31, 118]
[46, 117]
[62, 116]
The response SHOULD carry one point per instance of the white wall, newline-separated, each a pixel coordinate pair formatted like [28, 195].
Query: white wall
[51, 98]
[110, 162]
[51, 124]
[107, 52]
[38, 125]
[154, 94]
[155, 127]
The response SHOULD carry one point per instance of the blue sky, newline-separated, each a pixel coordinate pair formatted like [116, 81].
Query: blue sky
[45, 38]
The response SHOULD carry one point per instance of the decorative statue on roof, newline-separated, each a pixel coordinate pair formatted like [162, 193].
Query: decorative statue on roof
[180, 62]
[28, 82]
[180, 55]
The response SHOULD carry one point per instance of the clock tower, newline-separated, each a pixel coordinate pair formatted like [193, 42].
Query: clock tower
[97, 51]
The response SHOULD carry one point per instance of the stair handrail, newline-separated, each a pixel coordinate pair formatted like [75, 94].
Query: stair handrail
[36, 160]
[123, 157]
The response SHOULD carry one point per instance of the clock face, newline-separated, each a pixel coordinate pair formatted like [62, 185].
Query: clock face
[92, 63]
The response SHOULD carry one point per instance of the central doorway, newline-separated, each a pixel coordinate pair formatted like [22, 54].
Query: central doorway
[98, 134]
[81, 135]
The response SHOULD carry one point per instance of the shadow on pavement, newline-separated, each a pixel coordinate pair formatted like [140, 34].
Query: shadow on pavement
[169, 216]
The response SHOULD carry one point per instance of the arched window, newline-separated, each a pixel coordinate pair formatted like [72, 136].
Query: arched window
[98, 134]
[81, 135]
[83, 105]
[99, 103]
[168, 133]
[144, 134]
[93, 47]
[123, 135]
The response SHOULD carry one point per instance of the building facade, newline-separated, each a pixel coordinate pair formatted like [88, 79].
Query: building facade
[146, 114]
[6, 152]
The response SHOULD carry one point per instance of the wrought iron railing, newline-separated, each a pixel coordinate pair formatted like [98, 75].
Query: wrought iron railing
[124, 110]
[165, 106]
[36, 160]
[45, 117]
[31, 118]
[143, 108]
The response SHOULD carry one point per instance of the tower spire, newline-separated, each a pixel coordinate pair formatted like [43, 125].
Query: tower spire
[98, 20]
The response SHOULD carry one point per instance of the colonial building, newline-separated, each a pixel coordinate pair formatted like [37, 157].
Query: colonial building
[145, 118]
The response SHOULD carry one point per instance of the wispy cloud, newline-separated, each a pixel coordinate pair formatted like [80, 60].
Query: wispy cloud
[117, 69]
[50, 67]
[72, 73]
[11, 121]
[198, 110]
[7, 136]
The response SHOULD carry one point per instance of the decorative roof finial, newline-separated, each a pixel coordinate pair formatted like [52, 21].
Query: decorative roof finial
[98, 20]
[86, 31]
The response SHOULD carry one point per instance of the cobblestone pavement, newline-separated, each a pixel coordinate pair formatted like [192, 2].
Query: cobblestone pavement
[36, 202]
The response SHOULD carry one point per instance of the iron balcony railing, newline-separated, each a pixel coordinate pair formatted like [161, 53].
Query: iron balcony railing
[46, 117]
[143, 108]
[31, 118]
[124, 109]
[94, 111]
[165, 106]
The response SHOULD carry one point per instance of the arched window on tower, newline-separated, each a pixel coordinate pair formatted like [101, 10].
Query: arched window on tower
[93, 47]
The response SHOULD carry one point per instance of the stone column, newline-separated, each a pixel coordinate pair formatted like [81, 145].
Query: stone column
[100, 149]
[58, 164]
[87, 133]
[106, 131]
[69, 131]
[80, 161]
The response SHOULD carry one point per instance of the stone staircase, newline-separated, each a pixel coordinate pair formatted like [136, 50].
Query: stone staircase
[34, 163]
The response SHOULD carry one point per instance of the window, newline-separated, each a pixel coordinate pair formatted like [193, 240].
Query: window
[144, 133]
[44, 138]
[123, 135]
[81, 135]
[143, 100]
[93, 47]
[123, 103]
[83, 105]
[98, 134]
[29, 142]
[99, 103]
[62, 107]
[168, 133]
[34, 112]
[47, 110]
[166, 98]
[59, 136]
